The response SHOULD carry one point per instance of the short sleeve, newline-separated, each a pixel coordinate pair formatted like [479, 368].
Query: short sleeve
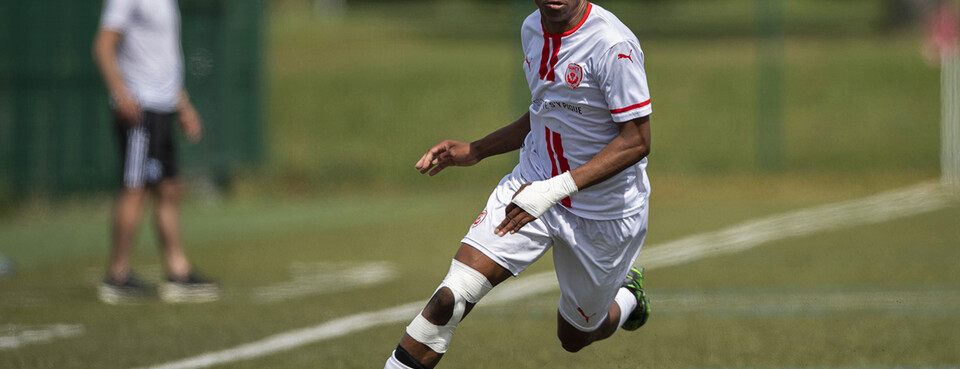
[623, 81]
[117, 14]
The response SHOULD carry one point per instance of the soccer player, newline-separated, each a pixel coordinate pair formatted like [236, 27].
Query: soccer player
[137, 50]
[580, 186]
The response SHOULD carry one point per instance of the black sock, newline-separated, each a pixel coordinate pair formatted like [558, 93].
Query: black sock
[407, 359]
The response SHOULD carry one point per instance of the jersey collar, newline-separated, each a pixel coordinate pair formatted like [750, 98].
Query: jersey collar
[583, 20]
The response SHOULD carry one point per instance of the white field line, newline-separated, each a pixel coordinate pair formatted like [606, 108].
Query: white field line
[309, 279]
[300, 337]
[306, 279]
[16, 336]
[899, 203]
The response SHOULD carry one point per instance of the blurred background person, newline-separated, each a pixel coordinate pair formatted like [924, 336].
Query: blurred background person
[137, 50]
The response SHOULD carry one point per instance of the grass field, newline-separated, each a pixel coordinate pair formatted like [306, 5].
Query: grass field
[340, 224]
[773, 306]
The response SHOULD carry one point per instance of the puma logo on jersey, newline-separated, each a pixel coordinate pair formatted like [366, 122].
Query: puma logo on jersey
[585, 315]
[627, 56]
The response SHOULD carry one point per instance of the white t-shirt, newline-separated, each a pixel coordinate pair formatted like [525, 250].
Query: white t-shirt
[583, 82]
[149, 55]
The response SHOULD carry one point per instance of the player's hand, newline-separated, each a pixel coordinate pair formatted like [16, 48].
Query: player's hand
[445, 154]
[191, 124]
[127, 109]
[515, 217]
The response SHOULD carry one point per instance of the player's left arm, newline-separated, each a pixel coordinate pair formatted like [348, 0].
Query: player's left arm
[624, 151]
[189, 118]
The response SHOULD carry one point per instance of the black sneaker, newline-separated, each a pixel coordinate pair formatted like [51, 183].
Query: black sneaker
[192, 289]
[130, 290]
[634, 283]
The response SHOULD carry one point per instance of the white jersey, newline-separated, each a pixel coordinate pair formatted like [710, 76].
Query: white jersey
[583, 82]
[149, 55]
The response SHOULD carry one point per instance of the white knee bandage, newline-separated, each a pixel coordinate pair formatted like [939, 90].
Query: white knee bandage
[467, 285]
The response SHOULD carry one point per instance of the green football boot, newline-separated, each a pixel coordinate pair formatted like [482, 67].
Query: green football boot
[639, 315]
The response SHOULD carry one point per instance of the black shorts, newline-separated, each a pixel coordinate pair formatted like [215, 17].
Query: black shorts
[147, 150]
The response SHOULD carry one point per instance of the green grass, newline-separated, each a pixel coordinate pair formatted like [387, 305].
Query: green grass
[251, 244]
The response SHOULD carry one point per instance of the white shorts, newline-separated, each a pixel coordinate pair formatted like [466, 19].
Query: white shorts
[591, 257]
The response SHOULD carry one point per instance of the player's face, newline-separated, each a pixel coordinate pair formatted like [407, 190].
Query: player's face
[560, 15]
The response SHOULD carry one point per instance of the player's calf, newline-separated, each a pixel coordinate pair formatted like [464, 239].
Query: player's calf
[400, 358]
[573, 339]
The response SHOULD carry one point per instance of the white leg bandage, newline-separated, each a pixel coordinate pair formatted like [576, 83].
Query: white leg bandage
[467, 285]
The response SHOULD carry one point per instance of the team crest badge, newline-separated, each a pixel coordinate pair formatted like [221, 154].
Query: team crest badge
[574, 75]
[480, 218]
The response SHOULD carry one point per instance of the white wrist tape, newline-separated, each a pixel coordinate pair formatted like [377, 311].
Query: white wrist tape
[539, 196]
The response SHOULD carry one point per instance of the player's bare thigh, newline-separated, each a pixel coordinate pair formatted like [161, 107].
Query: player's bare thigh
[478, 261]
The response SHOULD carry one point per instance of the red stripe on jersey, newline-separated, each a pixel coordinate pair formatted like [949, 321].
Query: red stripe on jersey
[553, 159]
[544, 58]
[629, 108]
[564, 165]
[558, 162]
[553, 59]
[548, 58]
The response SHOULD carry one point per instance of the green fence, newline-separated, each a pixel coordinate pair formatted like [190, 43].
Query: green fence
[56, 134]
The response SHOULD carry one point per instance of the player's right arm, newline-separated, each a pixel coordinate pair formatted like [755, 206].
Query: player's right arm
[105, 55]
[456, 153]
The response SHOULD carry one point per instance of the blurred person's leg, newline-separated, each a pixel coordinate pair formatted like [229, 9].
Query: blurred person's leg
[134, 143]
[126, 219]
[183, 283]
[167, 218]
[121, 285]
[164, 171]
